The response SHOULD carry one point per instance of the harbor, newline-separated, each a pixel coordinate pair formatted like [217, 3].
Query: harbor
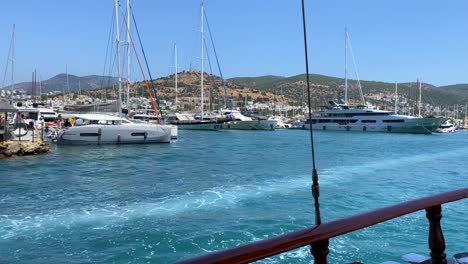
[264, 144]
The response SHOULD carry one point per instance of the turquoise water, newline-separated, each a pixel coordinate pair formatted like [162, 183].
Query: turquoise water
[215, 190]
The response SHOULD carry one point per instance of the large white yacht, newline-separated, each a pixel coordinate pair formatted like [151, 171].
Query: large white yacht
[108, 129]
[340, 117]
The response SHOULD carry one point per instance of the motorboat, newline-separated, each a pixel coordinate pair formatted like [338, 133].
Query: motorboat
[189, 122]
[235, 120]
[446, 127]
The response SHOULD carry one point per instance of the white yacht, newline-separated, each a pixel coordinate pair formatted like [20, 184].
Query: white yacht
[188, 122]
[234, 120]
[340, 117]
[446, 127]
[108, 129]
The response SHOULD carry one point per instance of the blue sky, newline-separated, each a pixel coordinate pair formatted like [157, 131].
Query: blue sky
[396, 40]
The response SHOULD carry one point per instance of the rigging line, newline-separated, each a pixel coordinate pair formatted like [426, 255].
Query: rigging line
[355, 69]
[111, 31]
[213, 83]
[153, 103]
[7, 63]
[228, 104]
[315, 184]
[146, 61]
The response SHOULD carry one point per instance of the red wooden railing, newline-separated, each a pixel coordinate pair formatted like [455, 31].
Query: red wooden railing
[318, 236]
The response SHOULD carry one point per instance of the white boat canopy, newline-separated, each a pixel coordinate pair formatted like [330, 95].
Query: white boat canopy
[98, 117]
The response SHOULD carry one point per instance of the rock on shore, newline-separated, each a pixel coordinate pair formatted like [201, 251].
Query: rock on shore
[16, 148]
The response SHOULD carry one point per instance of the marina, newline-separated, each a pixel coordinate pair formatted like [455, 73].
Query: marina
[115, 165]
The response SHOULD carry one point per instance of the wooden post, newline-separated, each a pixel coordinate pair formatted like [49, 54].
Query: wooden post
[436, 237]
[320, 251]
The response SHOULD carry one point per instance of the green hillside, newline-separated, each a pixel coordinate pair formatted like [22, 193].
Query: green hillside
[325, 88]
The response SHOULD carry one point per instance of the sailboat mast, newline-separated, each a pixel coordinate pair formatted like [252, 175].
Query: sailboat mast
[128, 51]
[396, 97]
[202, 46]
[63, 90]
[117, 41]
[175, 66]
[12, 58]
[346, 67]
[465, 115]
[40, 87]
[419, 99]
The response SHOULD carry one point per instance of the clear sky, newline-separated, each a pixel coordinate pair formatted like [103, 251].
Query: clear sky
[397, 40]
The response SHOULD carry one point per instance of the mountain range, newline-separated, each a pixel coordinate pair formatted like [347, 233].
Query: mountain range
[290, 90]
[74, 83]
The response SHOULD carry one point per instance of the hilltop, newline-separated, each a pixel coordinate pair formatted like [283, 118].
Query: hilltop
[59, 83]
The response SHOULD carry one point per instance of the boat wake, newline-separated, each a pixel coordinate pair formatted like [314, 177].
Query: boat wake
[216, 198]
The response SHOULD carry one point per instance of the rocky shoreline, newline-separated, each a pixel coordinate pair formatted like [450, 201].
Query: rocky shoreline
[17, 148]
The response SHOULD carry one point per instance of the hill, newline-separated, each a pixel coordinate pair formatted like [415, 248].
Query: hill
[263, 89]
[59, 83]
[325, 88]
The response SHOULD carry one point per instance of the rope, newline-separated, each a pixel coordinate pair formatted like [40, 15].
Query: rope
[228, 104]
[315, 184]
[153, 103]
[146, 61]
[355, 69]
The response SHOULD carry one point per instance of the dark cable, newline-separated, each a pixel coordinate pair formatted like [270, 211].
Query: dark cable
[315, 184]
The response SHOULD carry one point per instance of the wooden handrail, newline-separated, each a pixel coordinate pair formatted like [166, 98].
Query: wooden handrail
[318, 234]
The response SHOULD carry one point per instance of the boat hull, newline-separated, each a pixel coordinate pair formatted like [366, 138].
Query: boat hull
[412, 126]
[249, 125]
[114, 134]
[197, 125]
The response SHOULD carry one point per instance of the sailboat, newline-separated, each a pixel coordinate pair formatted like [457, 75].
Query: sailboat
[109, 129]
[230, 119]
[339, 116]
[186, 121]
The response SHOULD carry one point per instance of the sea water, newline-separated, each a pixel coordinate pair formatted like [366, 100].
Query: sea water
[210, 191]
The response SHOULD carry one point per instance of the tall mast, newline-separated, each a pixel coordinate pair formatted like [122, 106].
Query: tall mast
[346, 67]
[202, 46]
[117, 43]
[396, 97]
[68, 81]
[33, 92]
[63, 87]
[79, 89]
[35, 85]
[40, 87]
[12, 58]
[419, 99]
[175, 66]
[128, 51]
[464, 120]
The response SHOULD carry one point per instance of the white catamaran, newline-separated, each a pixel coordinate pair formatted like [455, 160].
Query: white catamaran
[109, 129]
